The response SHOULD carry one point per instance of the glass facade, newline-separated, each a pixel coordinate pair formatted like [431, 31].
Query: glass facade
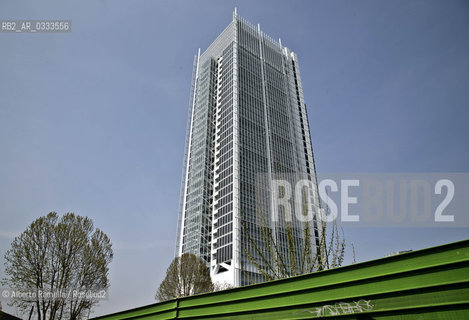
[247, 119]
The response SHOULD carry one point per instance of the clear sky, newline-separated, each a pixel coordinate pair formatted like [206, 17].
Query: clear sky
[93, 121]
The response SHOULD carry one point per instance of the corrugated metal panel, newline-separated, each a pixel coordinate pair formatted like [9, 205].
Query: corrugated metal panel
[426, 284]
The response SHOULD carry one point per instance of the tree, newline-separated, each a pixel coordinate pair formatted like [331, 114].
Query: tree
[187, 275]
[63, 264]
[220, 286]
[277, 259]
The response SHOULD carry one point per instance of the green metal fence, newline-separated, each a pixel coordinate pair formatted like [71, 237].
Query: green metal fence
[431, 283]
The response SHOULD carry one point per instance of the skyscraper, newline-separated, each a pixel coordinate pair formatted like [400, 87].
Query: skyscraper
[247, 126]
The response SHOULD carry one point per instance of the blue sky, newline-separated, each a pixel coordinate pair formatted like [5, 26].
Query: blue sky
[93, 121]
